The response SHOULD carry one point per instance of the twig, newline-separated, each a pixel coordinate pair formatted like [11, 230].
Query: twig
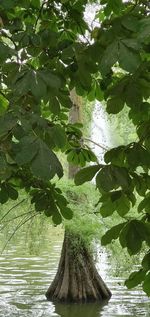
[20, 202]
[97, 144]
[25, 213]
[21, 223]
[40, 11]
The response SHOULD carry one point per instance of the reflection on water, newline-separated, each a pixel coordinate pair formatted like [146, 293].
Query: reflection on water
[75, 310]
[25, 277]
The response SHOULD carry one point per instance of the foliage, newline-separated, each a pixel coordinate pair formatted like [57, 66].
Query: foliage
[46, 50]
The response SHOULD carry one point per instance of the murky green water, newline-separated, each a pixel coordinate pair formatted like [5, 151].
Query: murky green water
[25, 274]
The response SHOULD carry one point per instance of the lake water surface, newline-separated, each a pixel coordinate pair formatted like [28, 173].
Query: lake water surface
[25, 275]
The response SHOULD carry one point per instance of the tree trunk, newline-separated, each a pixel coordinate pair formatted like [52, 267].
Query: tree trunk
[74, 117]
[77, 279]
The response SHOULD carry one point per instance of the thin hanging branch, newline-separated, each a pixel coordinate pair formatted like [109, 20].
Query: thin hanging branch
[12, 219]
[20, 202]
[97, 144]
[21, 223]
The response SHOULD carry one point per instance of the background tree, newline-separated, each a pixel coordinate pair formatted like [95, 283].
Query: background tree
[45, 52]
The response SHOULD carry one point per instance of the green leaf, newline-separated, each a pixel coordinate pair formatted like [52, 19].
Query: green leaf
[45, 164]
[61, 200]
[7, 123]
[115, 5]
[128, 58]
[57, 218]
[59, 136]
[54, 105]
[5, 52]
[23, 83]
[112, 234]
[122, 177]
[145, 204]
[109, 57]
[12, 192]
[26, 150]
[37, 85]
[36, 3]
[146, 262]
[144, 29]
[130, 22]
[146, 284]
[67, 213]
[105, 179]
[52, 80]
[86, 174]
[114, 105]
[107, 208]
[122, 205]
[133, 234]
[3, 104]
[137, 155]
[115, 156]
[135, 278]
[3, 195]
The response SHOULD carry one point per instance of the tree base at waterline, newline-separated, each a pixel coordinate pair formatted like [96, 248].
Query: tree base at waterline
[77, 279]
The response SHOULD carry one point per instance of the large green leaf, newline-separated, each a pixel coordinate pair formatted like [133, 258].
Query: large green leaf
[135, 278]
[67, 213]
[145, 204]
[86, 174]
[122, 205]
[146, 284]
[112, 234]
[109, 58]
[45, 164]
[7, 122]
[37, 85]
[58, 135]
[146, 262]
[111, 177]
[26, 150]
[133, 235]
[114, 105]
[105, 180]
[51, 80]
[128, 58]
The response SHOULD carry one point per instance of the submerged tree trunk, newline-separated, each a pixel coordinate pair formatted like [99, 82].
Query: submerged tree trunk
[77, 279]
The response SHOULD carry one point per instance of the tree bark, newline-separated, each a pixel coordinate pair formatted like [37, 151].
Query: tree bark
[77, 279]
[74, 117]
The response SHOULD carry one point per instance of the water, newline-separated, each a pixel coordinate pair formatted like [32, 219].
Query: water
[26, 272]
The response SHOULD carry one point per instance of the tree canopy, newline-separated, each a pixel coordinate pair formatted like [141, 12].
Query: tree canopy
[47, 49]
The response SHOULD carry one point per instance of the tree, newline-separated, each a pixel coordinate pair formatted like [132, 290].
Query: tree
[77, 279]
[46, 50]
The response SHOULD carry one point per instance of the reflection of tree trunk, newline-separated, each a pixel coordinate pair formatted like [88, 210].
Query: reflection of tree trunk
[74, 117]
[93, 309]
[77, 278]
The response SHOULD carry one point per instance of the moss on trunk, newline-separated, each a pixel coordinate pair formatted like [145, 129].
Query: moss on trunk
[77, 279]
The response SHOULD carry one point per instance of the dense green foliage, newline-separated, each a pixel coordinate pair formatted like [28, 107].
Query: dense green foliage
[46, 50]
